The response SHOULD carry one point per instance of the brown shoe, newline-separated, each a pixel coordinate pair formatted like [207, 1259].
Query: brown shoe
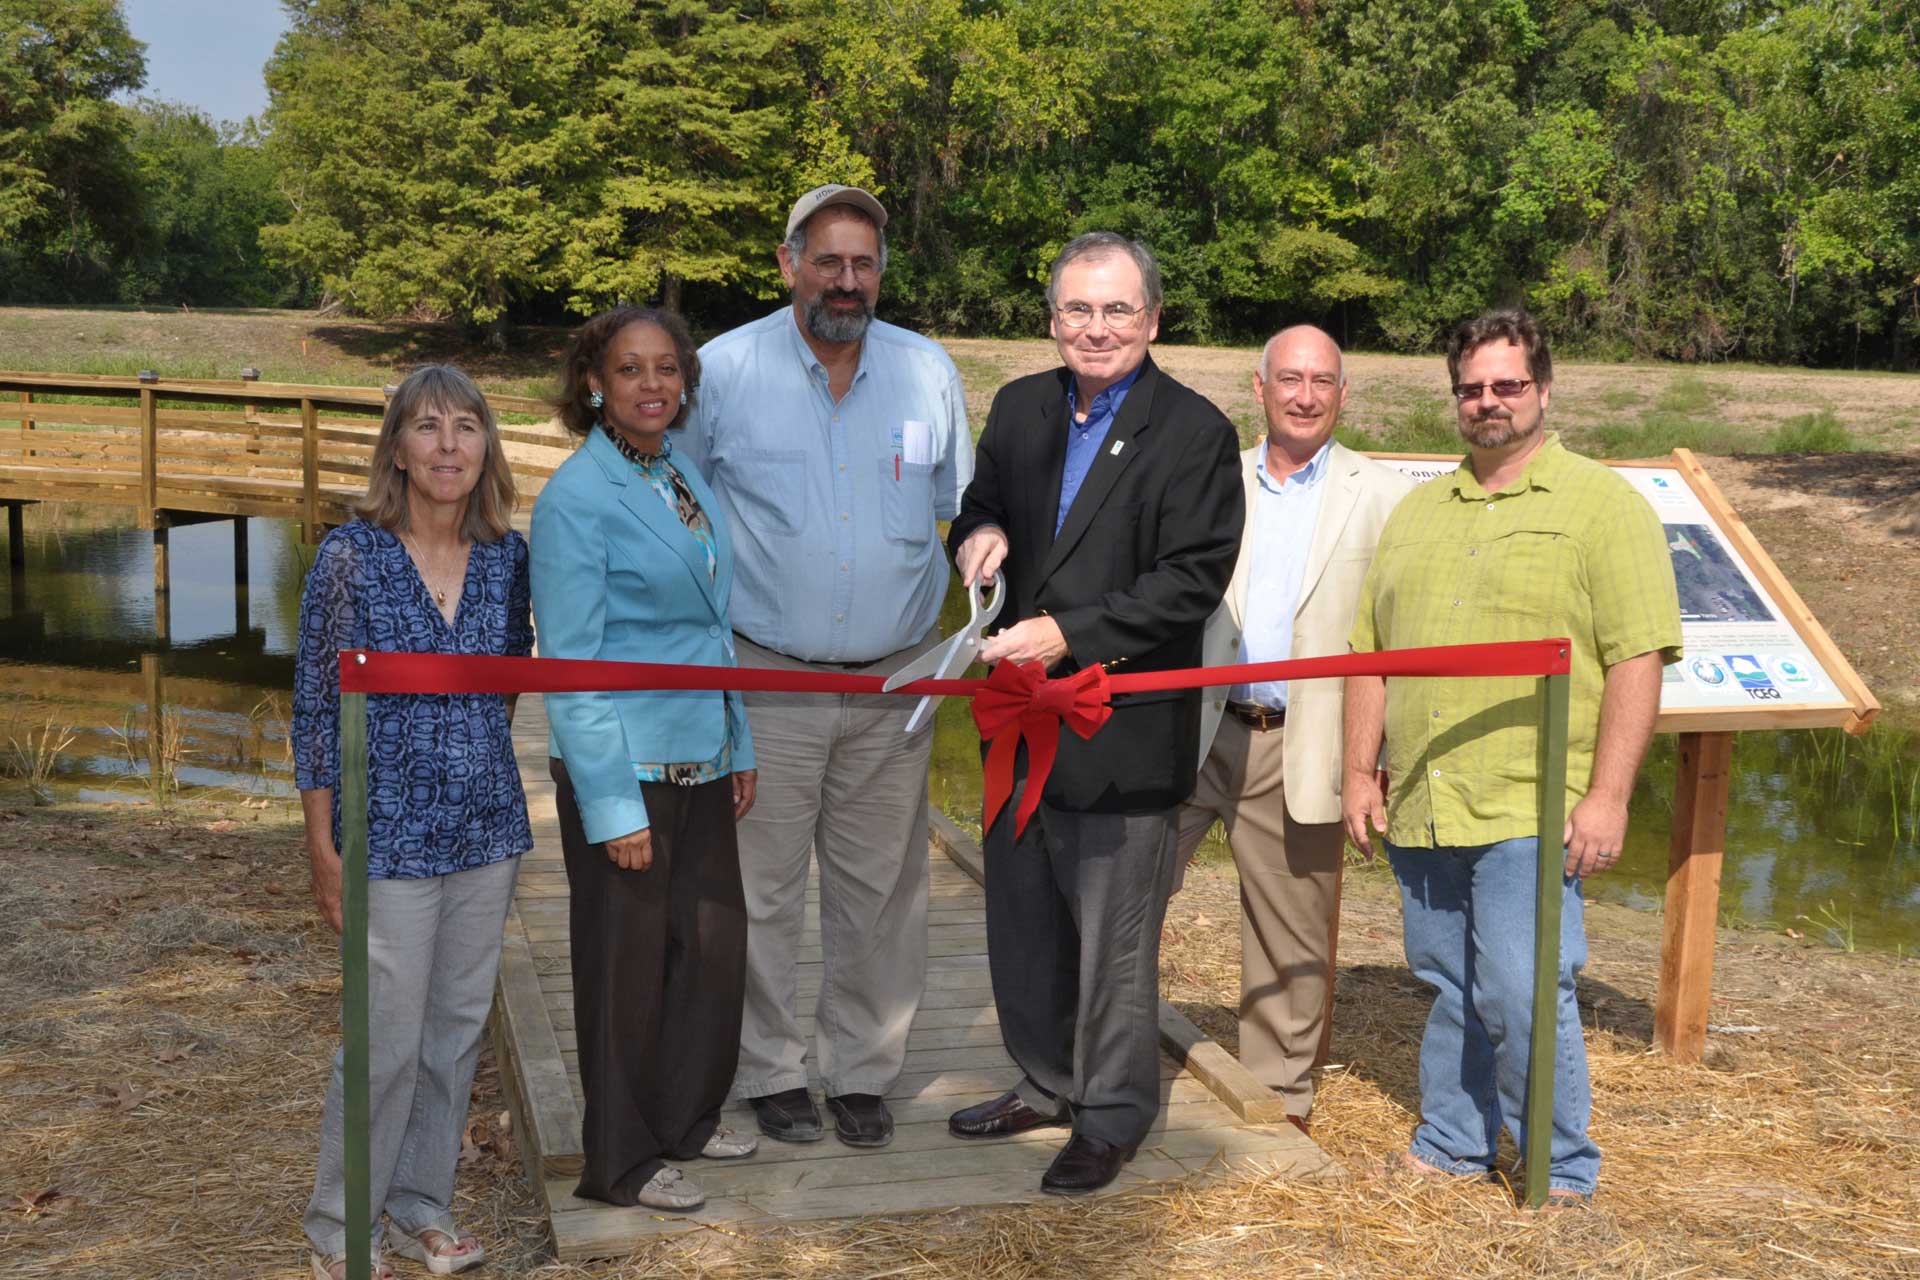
[1085, 1164]
[1003, 1117]
[1300, 1123]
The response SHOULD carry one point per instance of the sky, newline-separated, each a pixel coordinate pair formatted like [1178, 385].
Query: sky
[208, 53]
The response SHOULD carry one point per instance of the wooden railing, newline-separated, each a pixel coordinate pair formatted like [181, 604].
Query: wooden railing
[181, 450]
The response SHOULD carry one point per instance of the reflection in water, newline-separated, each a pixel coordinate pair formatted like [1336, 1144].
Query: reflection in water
[78, 647]
[1822, 830]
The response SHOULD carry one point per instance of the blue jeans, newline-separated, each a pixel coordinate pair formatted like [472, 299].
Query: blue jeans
[1468, 917]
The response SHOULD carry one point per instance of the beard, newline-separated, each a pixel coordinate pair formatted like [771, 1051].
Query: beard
[832, 326]
[1494, 431]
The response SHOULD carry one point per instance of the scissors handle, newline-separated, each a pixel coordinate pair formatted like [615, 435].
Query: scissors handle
[983, 614]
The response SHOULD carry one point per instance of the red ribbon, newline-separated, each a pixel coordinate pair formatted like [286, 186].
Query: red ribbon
[1012, 704]
[1019, 702]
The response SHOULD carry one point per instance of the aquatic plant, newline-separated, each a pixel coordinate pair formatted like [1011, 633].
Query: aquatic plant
[35, 757]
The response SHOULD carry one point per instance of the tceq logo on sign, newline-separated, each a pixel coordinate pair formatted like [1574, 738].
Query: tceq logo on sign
[1752, 677]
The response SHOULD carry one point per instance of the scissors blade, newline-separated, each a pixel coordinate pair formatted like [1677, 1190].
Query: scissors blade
[950, 657]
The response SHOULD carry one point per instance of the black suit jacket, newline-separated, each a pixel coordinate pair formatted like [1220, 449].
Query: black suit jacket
[1140, 563]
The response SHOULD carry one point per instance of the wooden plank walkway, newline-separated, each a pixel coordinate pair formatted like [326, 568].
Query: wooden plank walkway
[954, 1058]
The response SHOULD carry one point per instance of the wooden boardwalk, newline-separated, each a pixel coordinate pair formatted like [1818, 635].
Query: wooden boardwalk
[183, 450]
[954, 1057]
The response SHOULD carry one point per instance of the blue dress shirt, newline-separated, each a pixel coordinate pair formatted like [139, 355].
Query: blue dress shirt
[443, 788]
[1281, 522]
[832, 506]
[1084, 439]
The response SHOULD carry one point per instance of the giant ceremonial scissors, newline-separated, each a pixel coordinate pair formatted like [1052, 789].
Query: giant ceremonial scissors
[952, 656]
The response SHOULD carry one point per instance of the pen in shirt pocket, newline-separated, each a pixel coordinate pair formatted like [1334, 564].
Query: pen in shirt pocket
[896, 468]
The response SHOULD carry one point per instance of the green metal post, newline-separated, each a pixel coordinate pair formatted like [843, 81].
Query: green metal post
[353, 978]
[1546, 939]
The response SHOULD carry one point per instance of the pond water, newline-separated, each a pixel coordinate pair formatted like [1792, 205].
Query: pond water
[1823, 831]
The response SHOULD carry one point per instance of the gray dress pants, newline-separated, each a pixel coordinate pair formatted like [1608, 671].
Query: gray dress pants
[433, 948]
[841, 780]
[1074, 910]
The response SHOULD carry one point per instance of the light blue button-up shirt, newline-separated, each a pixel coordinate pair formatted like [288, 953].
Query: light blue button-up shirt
[832, 506]
[1283, 520]
[1085, 438]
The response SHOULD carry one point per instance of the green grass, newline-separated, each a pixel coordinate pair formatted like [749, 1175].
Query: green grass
[1687, 394]
[1819, 432]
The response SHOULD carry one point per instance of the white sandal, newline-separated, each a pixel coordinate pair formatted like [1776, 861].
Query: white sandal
[410, 1245]
[322, 1265]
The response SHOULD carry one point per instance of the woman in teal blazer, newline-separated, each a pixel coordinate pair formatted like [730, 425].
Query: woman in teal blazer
[632, 563]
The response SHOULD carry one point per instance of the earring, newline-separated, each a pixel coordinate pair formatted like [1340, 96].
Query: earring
[596, 399]
[683, 397]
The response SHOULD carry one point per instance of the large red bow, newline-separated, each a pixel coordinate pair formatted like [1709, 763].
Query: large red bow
[1018, 702]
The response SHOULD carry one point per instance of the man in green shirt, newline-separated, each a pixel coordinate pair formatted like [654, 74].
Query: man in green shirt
[1526, 540]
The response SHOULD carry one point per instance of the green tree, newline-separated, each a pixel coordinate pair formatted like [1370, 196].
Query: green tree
[457, 157]
[205, 191]
[64, 162]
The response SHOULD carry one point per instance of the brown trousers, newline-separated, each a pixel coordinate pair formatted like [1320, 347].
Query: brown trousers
[659, 974]
[1289, 906]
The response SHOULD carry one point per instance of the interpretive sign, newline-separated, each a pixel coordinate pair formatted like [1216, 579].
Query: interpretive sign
[1755, 657]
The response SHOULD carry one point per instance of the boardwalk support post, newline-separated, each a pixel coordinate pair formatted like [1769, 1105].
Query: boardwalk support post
[162, 586]
[149, 457]
[1693, 893]
[353, 981]
[1549, 889]
[309, 472]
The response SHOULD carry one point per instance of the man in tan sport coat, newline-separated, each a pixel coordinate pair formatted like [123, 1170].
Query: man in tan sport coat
[1270, 763]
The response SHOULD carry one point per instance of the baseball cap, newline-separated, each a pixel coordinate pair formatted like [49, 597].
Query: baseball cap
[835, 193]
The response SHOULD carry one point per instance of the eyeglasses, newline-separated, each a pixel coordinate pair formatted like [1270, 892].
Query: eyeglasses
[1118, 315]
[1505, 388]
[832, 268]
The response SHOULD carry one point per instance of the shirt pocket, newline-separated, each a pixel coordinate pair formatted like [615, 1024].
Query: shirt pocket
[906, 502]
[769, 492]
[1527, 582]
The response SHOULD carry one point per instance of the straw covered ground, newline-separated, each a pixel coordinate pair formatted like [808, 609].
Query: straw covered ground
[167, 1006]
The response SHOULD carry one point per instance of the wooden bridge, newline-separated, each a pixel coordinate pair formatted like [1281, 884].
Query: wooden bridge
[180, 450]
[1214, 1117]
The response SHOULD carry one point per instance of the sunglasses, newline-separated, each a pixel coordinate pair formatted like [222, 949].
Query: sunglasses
[1505, 388]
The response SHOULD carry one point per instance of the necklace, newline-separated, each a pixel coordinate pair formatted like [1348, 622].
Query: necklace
[428, 571]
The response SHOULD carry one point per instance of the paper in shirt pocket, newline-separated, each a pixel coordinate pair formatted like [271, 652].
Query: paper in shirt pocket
[916, 443]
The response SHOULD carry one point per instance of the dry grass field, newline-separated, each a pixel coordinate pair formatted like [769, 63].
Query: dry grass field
[168, 1002]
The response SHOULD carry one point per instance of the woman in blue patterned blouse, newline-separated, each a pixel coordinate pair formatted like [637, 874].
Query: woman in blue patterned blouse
[631, 562]
[430, 566]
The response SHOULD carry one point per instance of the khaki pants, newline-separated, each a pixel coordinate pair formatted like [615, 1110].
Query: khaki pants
[1289, 906]
[840, 779]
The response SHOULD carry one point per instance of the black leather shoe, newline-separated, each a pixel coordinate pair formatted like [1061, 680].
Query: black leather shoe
[789, 1115]
[1085, 1164]
[861, 1119]
[1005, 1116]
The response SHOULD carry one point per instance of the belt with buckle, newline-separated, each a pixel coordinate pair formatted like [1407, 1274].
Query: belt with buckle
[1258, 717]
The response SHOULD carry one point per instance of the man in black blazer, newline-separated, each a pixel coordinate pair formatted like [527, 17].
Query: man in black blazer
[1110, 496]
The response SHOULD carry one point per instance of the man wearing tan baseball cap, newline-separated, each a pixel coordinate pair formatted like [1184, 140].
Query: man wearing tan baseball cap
[833, 441]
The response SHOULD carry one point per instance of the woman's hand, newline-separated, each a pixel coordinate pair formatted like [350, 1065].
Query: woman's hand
[633, 851]
[325, 860]
[744, 783]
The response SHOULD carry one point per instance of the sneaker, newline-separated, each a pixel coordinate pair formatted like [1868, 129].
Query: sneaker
[725, 1144]
[672, 1189]
[788, 1115]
